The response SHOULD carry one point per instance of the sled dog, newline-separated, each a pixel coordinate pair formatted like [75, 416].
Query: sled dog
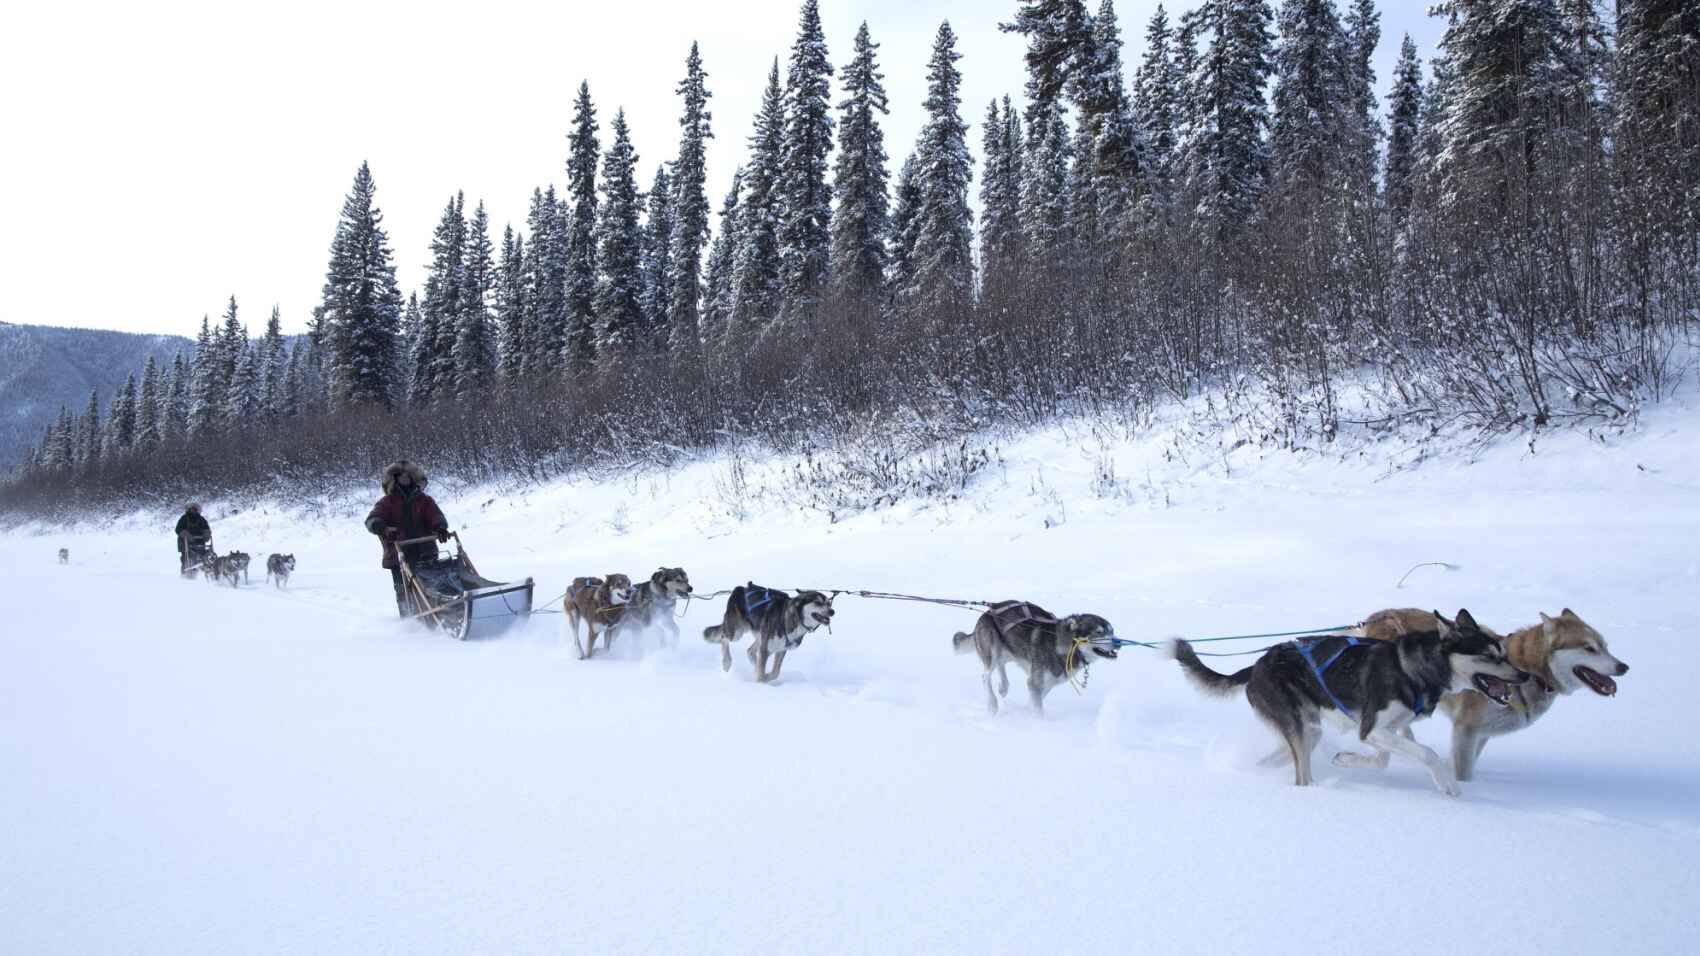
[278, 569]
[224, 567]
[653, 601]
[778, 621]
[1047, 648]
[1561, 654]
[1381, 686]
[238, 565]
[601, 604]
[64, 555]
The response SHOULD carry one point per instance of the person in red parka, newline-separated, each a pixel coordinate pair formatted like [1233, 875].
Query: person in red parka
[406, 511]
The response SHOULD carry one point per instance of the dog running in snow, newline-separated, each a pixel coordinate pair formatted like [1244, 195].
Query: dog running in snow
[601, 604]
[1047, 648]
[651, 606]
[778, 621]
[1381, 686]
[225, 567]
[64, 555]
[278, 569]
[1561, 654]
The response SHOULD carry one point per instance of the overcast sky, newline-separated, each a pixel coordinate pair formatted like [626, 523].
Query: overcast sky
[161, 157]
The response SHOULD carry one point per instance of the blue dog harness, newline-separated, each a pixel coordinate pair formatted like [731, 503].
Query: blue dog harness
[756, 598]
[1304, 646]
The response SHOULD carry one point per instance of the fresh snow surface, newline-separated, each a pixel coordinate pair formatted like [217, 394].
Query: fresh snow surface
[194, 769]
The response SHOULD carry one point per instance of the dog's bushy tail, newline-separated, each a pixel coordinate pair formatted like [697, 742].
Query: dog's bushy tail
[1207, 680]
[964, 643]
[712, 634]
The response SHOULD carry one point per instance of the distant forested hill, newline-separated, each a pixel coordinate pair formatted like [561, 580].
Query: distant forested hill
[42, 367]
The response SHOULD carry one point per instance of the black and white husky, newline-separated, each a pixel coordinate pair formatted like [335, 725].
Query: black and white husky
[1380, 686]
[651, 606]
[779, 622]
[1050, 649]
[278, 569]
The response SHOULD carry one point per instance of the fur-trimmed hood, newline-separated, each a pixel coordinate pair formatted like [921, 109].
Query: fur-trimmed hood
[396, 469]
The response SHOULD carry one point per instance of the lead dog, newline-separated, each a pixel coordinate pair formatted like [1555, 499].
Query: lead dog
[1048, 649]
[1382, 686]
[64, 555]
[278, 569]
[1562, 654]
[778, 621]
[653, 601]
[600, 603]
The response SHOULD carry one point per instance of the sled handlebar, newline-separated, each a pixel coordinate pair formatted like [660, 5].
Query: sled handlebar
[430, 537]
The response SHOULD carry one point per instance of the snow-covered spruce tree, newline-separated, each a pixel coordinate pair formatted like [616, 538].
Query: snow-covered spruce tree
[1044, 189]
[511, 309]
[1658, 122]
[1000, 198]
[755, 300]
[943, 249]
[1505, 55]
[242, 400]
[905, 228]
[417, 339]
[619, 295]
[433, 350]
[861, 221]
[474, 353]
[1117, 157]
[362, 304]
[174, 407]
[722, 266]
[583, 152]
[546, 277]
[1314, 98]
[89, 434]
[148, 433]
[1156, 90]
[1057, 32]
[805, 226]
[292, 400]
[205, 391]
[1225, 153]
[1362, 25]
[121, 424]
[59, 451]
[1405, 106]
[689, 208]
[657, 262]
[274, 357]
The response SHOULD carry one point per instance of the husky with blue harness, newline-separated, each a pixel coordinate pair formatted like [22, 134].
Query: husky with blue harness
[779, 622]
[1377, 687]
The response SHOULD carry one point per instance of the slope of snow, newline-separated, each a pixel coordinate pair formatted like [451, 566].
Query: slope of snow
[191, 769]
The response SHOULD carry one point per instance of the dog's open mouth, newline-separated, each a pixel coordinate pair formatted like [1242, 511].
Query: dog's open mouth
[1495, 689]
[820, 619]
[1596, 681]
[1108, 652]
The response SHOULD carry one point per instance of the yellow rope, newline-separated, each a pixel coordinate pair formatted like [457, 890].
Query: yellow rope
[1068, 665]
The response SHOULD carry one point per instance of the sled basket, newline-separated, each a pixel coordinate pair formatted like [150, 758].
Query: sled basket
[448, 593]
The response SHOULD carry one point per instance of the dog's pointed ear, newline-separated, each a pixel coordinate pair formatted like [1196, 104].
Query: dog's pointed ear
[1568, 615]
[1549, 627]
[1465, 620]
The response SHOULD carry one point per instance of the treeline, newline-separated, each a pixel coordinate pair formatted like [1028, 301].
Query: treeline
[1510, 240]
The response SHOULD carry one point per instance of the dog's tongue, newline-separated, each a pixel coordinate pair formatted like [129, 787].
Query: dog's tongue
[1600, 683]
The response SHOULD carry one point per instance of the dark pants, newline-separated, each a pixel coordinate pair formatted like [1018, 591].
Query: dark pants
[403, 602]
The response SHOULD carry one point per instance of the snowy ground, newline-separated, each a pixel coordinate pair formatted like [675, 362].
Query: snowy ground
[188, 769]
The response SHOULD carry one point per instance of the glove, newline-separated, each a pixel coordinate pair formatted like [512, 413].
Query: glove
[442, 536]
[391, 533]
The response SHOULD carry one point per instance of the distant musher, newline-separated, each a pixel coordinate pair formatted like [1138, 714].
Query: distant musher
[406, 511]
[193, 535]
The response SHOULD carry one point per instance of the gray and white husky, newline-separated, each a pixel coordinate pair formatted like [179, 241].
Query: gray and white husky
[64, 555]
[278, 569]
[1380, 686]
[651, 606]
[778, 621]
[1049, 649]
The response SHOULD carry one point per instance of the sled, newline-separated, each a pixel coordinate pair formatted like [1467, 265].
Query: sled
[197, 551]
[448, 593]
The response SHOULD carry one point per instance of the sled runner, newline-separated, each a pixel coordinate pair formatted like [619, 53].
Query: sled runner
[449, 593]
